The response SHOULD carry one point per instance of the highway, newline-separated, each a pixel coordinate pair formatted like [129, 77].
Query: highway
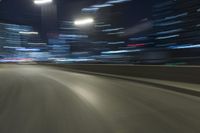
[41, 99]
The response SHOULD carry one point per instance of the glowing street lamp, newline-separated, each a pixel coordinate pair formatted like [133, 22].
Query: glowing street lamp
[84, 21]
[42, 2]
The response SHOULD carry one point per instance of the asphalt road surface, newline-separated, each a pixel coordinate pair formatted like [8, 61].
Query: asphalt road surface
[40, 99]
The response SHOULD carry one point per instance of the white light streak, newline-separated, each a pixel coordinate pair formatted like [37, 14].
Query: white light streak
[110, 30]
[28, 33]
[112, 43]
[41, 2]
[120, 51]
[32, 43]
[85, 21]
[117, 1]
[102, 5]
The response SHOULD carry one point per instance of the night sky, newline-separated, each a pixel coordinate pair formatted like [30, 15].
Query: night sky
[25, 12]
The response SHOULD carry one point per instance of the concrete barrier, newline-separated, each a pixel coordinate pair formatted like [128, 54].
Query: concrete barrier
[188, 74]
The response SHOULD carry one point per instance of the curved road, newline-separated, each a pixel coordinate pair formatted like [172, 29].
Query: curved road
[40, 99]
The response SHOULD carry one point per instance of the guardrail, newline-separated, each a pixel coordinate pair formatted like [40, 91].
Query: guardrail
[188, 74]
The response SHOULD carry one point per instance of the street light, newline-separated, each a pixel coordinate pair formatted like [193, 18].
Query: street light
[48, 15]
[42, 2]
[84, 21]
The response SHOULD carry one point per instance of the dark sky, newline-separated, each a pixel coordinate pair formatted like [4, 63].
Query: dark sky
[25, 12]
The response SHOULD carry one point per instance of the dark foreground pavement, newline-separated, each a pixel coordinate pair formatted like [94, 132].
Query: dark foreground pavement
[38, 99]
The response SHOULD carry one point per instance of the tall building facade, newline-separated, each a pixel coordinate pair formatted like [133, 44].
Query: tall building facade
[177, 22]
[18, 42]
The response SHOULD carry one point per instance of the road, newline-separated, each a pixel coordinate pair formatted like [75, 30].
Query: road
[41, 99]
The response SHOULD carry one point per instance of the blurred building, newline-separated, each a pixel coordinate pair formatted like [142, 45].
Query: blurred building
[105, 34]
[174, 36]
[10, 34]
[177, 28]
[49, 20]
[18, 42]
[177, 22]
[170, 35]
